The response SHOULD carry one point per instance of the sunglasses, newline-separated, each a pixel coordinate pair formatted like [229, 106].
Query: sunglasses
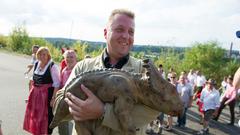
[173, 77]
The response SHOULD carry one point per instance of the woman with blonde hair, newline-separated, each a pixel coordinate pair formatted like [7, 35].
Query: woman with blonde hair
[46, 82]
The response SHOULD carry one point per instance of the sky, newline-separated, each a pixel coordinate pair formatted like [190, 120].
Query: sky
[158, 22]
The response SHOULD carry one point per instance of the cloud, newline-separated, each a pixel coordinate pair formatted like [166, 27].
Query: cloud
[175, 22]
[189, 22]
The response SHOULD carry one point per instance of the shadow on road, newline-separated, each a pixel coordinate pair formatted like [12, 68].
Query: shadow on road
[216, 127]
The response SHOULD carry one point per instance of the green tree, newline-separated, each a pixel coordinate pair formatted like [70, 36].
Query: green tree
[97, 51]
[169, 58]
[207, 57]
[55, 52]
[139, 55]
[19, 40]
[39, 41]
[231, 67]
[81, 49]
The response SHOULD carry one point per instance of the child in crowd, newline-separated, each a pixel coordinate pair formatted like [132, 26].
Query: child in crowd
[33, 59]
[30, 66]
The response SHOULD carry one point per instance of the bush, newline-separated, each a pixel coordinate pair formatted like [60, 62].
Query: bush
[19, 40]
[55, 53]
[3, 41]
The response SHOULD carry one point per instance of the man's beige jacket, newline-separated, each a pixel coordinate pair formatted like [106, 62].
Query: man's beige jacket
[142, 115]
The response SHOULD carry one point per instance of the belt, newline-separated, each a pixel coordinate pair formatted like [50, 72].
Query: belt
[37, 85]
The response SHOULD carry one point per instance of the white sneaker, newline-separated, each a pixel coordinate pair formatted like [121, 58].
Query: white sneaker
[203, 132]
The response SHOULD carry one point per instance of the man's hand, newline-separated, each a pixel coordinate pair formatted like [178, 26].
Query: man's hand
[91, 108]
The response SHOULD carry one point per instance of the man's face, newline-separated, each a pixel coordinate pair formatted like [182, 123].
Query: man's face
[173, 78]
[119, 35]
[210, 86]
[182, 79]
[34, 50]
[71, 59]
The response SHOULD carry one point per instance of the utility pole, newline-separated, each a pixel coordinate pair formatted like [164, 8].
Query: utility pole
[230, 51]
[70, 34]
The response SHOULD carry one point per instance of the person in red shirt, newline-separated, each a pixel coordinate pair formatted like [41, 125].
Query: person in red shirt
[70, 58]
[63, 63]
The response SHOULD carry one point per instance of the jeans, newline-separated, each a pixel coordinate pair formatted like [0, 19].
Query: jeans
[182, 118]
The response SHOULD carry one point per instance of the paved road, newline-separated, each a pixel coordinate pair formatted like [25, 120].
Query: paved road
[219, 127]
[14, 90]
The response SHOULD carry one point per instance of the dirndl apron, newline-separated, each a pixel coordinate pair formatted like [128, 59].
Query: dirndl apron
[38, 113]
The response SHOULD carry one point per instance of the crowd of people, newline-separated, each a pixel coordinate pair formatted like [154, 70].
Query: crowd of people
[209, 99]
[48, 82]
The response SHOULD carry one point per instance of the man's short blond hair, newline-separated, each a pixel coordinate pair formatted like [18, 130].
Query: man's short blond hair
[121, 11]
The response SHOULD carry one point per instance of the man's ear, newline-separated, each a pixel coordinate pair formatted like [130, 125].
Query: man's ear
[105, 33]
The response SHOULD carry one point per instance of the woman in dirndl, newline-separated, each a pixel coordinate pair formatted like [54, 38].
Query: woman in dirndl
[46, 82]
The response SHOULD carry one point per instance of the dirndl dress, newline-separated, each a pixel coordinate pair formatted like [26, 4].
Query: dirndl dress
[38, 114]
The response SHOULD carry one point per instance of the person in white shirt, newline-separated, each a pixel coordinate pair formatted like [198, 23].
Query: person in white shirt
[185, 92]
[200, 81]
[223, 87]
[192, 77]
[224, 82]
[160, 69]
[210, 98]
[27, 74]
[199, 84]
[33, 58]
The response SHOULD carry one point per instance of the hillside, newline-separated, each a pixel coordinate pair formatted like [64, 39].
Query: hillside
[64, 42]
[147, 49]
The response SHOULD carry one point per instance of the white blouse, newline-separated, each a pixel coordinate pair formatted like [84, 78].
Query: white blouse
[54, 73]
